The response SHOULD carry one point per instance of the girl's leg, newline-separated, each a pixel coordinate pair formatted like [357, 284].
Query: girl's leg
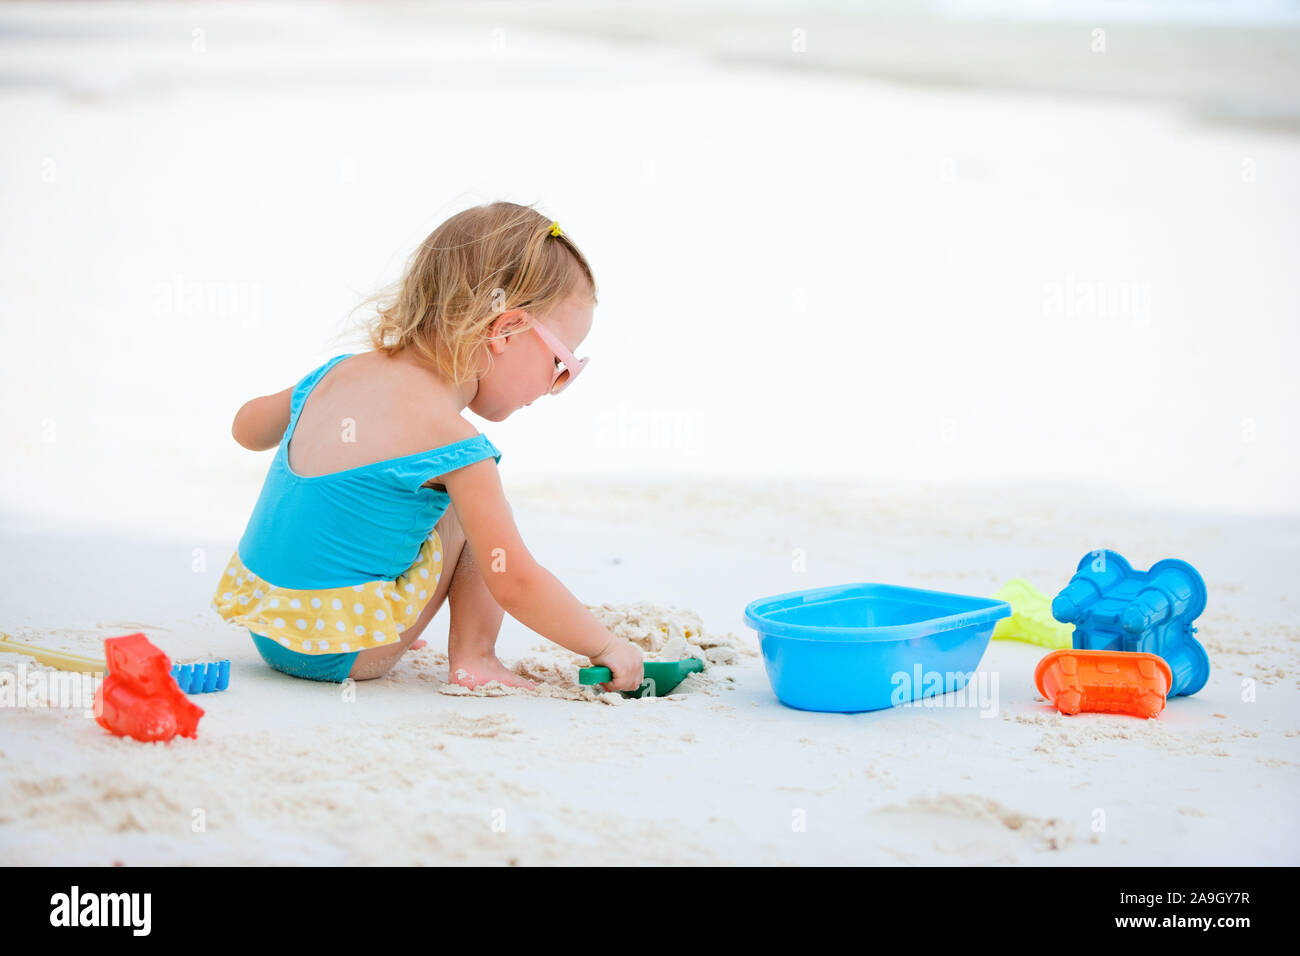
[378, 661]
[474, 623]
[473, 629]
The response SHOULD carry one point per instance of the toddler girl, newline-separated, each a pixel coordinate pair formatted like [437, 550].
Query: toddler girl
[360, 532]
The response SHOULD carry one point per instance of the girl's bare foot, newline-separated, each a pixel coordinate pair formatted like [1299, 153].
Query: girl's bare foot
[474, 672]
[418, 643]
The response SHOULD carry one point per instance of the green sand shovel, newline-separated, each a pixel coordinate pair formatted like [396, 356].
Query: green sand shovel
[661, 677]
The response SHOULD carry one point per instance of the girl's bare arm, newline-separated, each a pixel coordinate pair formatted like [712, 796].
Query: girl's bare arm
[261, 423]
[524, 589]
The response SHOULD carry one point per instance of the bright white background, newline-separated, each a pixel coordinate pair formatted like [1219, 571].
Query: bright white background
[802, 274]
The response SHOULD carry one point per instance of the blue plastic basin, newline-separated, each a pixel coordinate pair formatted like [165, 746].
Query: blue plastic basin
[856, 647]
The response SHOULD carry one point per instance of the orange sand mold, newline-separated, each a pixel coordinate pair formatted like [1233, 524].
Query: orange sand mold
[1107, 682]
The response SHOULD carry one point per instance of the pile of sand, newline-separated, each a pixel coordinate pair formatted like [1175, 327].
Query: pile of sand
[666, 633]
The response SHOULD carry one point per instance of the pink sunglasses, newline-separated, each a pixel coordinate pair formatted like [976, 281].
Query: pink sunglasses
[572, 365]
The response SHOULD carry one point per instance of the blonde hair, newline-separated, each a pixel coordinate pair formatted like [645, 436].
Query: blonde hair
[479, 263]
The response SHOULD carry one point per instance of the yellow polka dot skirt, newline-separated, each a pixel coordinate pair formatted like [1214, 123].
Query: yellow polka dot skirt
[330, 620]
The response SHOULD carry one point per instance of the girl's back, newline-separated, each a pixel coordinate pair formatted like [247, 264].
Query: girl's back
[370, 408]
[354, 514]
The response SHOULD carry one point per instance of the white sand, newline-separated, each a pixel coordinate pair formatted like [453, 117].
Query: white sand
[803, 277]
[286, 770]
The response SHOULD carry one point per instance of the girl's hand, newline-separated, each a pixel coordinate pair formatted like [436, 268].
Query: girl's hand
[623, 658]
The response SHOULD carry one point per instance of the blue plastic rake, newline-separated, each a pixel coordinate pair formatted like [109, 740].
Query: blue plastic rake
[202, 678]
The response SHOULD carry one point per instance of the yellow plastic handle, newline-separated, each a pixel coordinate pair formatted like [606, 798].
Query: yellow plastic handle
[57, 659]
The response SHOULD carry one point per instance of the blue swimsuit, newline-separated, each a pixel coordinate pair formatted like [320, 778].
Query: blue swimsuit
[331, 565]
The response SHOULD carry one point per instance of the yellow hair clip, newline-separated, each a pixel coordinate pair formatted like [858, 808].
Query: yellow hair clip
[555, 229]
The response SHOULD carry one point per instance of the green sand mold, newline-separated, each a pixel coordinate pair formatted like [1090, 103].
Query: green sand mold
[1031, 617]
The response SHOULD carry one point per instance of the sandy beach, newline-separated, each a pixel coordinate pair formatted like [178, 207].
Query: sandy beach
[290, 771]
[912, 333]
